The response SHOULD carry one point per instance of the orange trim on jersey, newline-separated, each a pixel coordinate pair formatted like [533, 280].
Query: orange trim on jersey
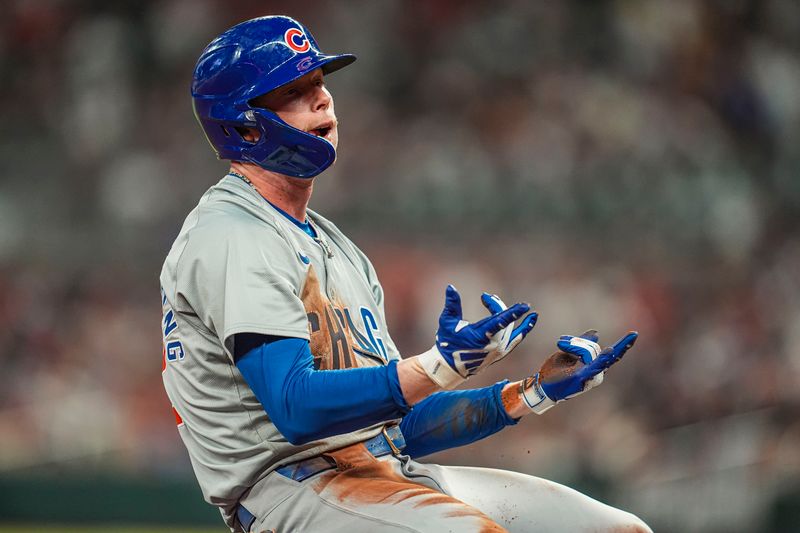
[163, 359]
[178, 419]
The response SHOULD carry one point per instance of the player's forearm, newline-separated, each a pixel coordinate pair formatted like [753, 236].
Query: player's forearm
[414, 382]
[512, 400]
[417, 386]
[449, 419]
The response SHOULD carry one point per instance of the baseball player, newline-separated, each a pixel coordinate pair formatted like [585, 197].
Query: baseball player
[298, 412]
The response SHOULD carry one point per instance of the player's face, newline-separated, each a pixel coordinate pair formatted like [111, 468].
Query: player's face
[305, 104]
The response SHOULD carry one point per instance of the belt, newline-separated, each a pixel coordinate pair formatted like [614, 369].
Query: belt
[389, 440]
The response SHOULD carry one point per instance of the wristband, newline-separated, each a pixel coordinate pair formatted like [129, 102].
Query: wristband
[435, 366]
[533, 395]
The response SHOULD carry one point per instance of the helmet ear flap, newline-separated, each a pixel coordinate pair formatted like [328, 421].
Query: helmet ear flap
[285, 149]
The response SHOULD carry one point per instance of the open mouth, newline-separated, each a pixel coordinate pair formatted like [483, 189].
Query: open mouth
[322, 130]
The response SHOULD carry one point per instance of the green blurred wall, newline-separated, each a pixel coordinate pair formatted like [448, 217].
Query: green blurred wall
[104, 500]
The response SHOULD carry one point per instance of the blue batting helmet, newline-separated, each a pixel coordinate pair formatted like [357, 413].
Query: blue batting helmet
[248, 60]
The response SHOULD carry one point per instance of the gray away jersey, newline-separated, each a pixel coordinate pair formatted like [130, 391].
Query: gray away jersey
[239, 266]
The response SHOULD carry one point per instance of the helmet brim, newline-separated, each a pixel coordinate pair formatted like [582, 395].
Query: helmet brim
[295, 69]
[334, 63]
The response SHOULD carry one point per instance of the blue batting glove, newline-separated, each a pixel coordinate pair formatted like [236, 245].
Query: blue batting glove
[577, 368]
[510, 337]
[462, 349]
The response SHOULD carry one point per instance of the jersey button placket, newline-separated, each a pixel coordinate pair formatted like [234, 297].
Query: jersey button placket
[327, 255]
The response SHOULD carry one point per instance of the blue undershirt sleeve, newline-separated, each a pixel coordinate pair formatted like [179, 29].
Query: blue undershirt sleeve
[449, 419]
[307, 404]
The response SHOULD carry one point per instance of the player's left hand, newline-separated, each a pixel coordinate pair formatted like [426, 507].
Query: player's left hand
[577, 367]
[463, 349]
[509, 338]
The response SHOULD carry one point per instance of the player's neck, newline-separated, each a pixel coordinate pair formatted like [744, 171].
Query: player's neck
[290, 194]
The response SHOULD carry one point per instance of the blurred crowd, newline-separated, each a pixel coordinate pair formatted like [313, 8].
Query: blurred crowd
[619, 164]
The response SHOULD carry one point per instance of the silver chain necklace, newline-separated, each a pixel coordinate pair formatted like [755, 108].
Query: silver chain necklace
[244, 179]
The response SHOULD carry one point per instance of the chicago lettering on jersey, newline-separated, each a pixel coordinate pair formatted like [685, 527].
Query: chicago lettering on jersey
[336, 341]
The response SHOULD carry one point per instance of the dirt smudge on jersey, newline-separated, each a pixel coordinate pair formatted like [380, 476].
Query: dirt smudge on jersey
[462, 416]
[331, 339]
[360, 479]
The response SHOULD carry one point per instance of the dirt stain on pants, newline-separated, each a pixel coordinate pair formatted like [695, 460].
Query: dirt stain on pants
[360, 480]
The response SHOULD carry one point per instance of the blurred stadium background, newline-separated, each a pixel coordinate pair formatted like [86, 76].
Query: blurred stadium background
[619, 164]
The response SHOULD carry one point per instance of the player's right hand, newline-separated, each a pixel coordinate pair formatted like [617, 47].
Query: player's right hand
[462, 349]
[578, 366]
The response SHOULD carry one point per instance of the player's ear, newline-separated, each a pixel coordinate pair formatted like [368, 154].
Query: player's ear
[249, 134]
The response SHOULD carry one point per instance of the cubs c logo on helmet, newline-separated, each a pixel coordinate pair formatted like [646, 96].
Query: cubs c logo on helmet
[304, 64]
[296, 40]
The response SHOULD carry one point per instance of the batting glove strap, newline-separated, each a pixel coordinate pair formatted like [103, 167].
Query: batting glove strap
[439, 370]
[533, 395]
